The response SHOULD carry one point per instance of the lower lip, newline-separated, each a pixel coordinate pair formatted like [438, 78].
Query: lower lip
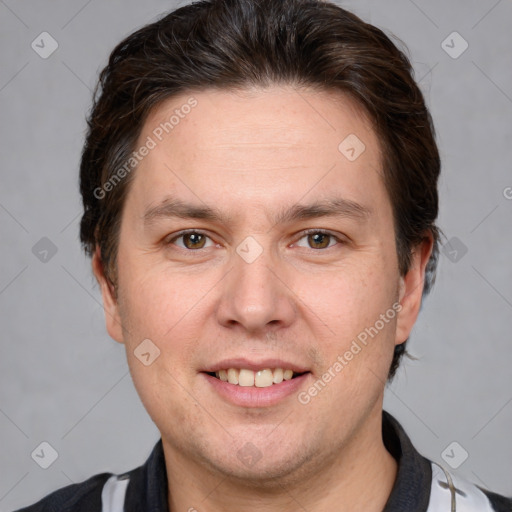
[252, 396]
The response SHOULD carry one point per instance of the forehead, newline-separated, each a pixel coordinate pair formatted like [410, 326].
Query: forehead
[275, 115]
[258, 145]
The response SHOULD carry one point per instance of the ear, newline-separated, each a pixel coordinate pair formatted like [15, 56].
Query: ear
[411, 289]
[110, 304]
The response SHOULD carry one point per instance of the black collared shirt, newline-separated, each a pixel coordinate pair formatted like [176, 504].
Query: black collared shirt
[147, 485]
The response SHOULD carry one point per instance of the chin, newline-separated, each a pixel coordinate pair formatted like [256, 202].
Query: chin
[267, 469]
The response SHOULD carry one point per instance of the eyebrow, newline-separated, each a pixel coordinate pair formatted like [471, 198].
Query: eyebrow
[172, 207]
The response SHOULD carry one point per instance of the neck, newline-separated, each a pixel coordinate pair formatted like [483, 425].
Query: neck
[359, 478]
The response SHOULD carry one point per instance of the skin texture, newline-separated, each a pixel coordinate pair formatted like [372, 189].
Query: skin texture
[252, 154]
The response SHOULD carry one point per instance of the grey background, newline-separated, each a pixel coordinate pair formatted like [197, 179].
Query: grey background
[64, 381]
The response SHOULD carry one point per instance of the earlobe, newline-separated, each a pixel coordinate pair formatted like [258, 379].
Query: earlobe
[411, 289]
[110, 304]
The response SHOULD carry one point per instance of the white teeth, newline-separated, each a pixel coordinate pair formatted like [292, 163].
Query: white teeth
[263, 378]
[233, 376]
[247, 378]
[278, 375]
[287, 375]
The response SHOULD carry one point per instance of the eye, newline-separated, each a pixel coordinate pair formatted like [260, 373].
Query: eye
[192, 240]
[319, 239]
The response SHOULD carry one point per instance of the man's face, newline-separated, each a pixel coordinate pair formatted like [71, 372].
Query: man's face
[250, 288]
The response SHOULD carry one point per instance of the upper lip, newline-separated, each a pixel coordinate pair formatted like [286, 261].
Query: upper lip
[243, 363]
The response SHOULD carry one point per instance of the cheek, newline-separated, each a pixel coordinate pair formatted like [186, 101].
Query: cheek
[152, 309]
[354, 310]
[163, 392]
[159, 304]
[347, 301]
[155, 309]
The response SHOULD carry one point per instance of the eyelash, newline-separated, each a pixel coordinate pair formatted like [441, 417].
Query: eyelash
[303, 234]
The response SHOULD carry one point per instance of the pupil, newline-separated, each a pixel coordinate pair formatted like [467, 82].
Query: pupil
[318, 238]
[194, 238]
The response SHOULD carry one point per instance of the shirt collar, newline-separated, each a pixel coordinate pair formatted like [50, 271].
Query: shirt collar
[148, 488]
[414, 476]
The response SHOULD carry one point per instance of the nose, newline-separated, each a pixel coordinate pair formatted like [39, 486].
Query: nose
[256, 295]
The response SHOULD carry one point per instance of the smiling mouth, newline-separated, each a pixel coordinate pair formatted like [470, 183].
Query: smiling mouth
[260, 379]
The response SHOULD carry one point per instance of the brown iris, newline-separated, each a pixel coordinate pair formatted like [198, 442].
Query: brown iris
[319, 239]
[197, 240]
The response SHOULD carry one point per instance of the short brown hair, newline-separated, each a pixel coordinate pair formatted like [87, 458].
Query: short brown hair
[232, 44]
